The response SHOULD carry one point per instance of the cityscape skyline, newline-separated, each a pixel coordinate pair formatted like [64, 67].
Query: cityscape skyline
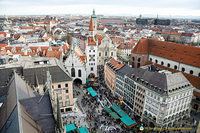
[170, 8]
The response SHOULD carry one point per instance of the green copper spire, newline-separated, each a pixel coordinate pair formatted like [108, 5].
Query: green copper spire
[94, 15]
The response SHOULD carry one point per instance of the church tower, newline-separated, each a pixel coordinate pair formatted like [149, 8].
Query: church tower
[94, 19]
[91, 52]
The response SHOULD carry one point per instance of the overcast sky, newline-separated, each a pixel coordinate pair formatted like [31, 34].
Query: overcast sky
[104, 7]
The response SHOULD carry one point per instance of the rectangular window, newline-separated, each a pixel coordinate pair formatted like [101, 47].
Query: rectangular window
[111, 53]
[60, 98]
[93, 50]
[66, 85]
[59, 91]
[91, 68]
[67, 103]
[66, 97]
[61, 104]
[66, 91]
[59, 86]
[99, 54]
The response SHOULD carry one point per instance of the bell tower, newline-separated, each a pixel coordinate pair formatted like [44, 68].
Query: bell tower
[94, 19]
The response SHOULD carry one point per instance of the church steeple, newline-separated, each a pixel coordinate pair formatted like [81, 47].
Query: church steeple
[91, 27]
[94, 15]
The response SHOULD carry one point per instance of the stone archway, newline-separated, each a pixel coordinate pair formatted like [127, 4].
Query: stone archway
[151, 124]
[196, 106]
[77, 81]
[91, 75]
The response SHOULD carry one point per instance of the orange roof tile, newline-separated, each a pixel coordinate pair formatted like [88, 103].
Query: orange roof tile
[99, 37]
[3, 34]
[118, 40]
[56, 54]
[116, 64]
[91, 28]
[178, 52]
[91, 41]
[3, 45]
[141, 47]
[27, 27]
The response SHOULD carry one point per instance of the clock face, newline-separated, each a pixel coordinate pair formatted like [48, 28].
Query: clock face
[92, 48]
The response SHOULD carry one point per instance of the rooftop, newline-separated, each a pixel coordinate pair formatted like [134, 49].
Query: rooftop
[173, 51]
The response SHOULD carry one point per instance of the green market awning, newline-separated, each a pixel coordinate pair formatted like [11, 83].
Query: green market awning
[70, 127]
[114, 115]
[90, 89]
[127, 120]
[83, 130]
[118, 110]
[93, 93]
[115, 108]
[107, 109]
[121, 113]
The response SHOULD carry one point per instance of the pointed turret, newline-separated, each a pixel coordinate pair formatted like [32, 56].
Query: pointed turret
[91, 28]
[94, 15]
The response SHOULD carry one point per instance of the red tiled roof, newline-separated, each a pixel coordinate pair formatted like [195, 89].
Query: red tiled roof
[118, 40]
[3, 34]
[27, 27]
[91, 28]
[141, 47]
[91, 41]
[126, 46]
[65, 48]
[3, 45]
[56, 54]
[16, 36]
[173, 51]
[99, 37]
[116, 64]
[34, 48]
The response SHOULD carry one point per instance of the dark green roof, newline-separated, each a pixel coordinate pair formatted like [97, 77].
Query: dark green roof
[107, 109]
[115, 108]
[114, 115]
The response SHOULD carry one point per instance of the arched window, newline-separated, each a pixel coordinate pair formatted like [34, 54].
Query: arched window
[151, 59]
[168, 65]
[162, 63]
[199, 75]
[111, 53]
[156, 61]
[133, 64]
[73, 72]
[139, 60]
[138, 65]
[191, 72]
[183, 69]
[133, 58]
[79, 73]
[175, 67]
